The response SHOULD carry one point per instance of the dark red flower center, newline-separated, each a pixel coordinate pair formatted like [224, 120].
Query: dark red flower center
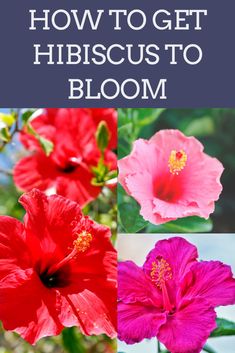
[56, 280]
[57, 275]
[70, 165]
[69, 168]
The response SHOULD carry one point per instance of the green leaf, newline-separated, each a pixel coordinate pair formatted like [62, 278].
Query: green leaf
[26, 116]
[224, 328]
[71, 341]
[8, 119]
[148, 116]
[130, 217]
[200, 127]
[183, 225]
[46, 145]
[102, 136]
[208, 349]
[125, 130]
[5, 134]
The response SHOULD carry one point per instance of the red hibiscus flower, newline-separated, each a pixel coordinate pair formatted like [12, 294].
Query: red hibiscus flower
[68, 169]
[57, 269]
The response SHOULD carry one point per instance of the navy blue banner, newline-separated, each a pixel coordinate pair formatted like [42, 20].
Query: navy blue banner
[90, 53]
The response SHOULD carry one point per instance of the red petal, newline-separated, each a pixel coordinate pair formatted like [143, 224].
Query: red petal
[35, 171]
[13, 250]
[78, 187]
[27, 307]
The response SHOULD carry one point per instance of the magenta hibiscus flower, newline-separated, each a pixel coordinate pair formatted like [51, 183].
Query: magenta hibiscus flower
[171, 177]
[57, 270]
[68, 170]
[172, 297]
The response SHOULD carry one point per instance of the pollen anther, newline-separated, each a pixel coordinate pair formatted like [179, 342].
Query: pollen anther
[161, 272]
[83, 241]
[177, 161]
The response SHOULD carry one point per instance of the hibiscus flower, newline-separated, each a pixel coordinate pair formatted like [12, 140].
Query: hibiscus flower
[172, 297]
[171, 177]
[57, 270]
[67, 171]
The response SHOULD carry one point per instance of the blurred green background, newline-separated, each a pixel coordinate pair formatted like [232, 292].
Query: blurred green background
[102, 210]
[215, 128]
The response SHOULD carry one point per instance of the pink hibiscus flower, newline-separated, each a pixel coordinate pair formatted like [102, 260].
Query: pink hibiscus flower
[172, 297]
[171, 177]
[57, 270]
[67, 171]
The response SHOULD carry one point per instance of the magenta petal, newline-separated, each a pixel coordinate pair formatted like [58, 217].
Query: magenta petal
[138, 321]
[178, 252]
[188, 329]
[134, 286]
[211, 280]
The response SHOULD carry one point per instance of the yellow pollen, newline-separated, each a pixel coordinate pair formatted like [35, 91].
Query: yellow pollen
[83, 241]
[161, 272]
[177, 161]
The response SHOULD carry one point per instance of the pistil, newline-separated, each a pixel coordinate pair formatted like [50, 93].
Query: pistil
[80, 245]
[160, 274]
[177, 161]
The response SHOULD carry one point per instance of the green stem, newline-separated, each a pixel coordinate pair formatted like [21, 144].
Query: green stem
[159, 347]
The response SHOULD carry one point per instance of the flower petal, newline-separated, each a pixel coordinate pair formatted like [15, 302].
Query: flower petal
[78, 187]
[141, 187]
[94, 271]
[138, 321]
[137, 162]
[211, 280]
[13, 249]
[50, 223]
[27, 307]
[134, 286]
[189, 328]
[87, 311]
[35, 171]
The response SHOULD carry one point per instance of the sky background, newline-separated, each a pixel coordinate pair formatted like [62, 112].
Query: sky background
[210, 247]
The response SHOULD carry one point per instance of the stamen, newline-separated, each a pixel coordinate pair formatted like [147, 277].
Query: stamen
[83, 241]
[161, 272]
[177, 161]
[80, 245]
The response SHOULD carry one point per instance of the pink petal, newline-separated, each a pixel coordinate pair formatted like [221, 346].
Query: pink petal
[137, 321]
[134, 286]
[137, 161]
[187, 330]
[211, 280]
[141, 187]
